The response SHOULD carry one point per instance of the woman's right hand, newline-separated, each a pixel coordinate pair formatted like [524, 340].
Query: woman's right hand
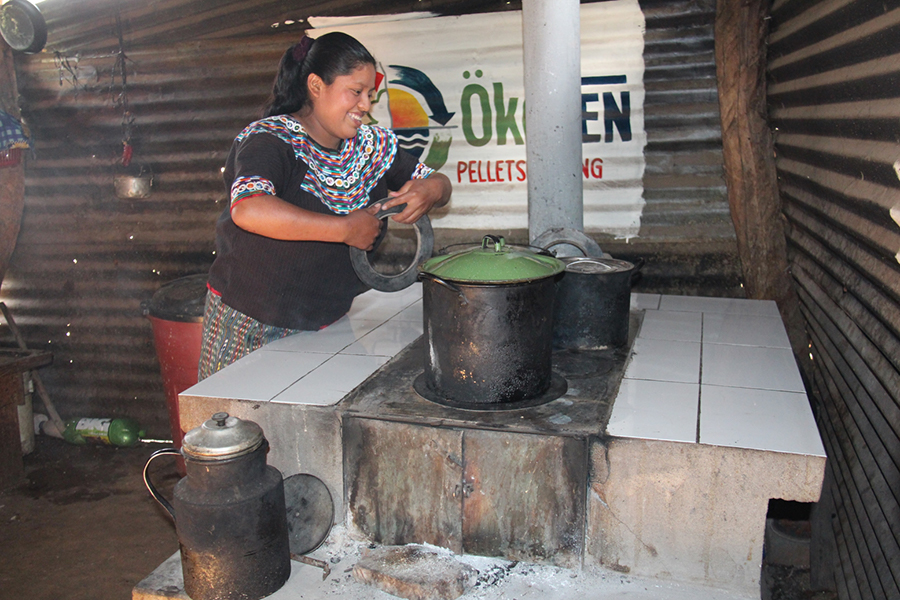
[363, 228]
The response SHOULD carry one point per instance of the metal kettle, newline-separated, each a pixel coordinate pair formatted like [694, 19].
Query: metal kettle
[229, 512]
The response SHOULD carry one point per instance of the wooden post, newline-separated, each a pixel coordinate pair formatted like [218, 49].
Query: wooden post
[12, 179]
[12, 364]
[749, 154]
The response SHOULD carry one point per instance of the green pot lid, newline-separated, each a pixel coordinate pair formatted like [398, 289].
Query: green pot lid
[493, 262]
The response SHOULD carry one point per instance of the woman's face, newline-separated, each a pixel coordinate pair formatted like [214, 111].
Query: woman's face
[340, 108]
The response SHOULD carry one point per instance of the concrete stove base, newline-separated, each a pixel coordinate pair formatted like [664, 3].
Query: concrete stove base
[506, 483]
[692, 512]
[710, 421]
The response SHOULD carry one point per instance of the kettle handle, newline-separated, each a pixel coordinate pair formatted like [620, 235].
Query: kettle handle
[150, 487]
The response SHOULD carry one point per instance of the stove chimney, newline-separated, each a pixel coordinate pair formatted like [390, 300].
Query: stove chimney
[552, 60]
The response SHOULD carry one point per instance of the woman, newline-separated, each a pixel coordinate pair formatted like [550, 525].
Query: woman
[303, 181]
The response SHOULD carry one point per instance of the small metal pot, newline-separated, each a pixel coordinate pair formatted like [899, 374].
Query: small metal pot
[593, 303]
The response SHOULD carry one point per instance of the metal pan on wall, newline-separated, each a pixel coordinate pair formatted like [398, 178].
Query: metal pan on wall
[23, 26]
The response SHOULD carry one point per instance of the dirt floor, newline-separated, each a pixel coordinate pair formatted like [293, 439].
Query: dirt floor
[82, 526]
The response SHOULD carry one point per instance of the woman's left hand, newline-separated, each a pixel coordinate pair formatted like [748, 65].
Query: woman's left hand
[420, 196]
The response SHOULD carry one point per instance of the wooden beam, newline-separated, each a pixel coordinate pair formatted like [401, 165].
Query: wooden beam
[749, 156]
[12, 178]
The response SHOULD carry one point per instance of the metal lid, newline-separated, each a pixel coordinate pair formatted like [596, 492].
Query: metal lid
[493, 262]
[596, 266]
[223, 436]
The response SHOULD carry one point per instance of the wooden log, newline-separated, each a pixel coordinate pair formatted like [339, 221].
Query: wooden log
[414, 572]
[749, 157]
[12, 178]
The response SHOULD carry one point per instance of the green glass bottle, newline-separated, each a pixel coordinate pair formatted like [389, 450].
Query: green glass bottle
[111, 432]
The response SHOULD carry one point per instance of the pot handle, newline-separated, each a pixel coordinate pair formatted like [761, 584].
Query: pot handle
[150, 487]
[497, 240]
[446, 284]
[636, 274]
[582, 247]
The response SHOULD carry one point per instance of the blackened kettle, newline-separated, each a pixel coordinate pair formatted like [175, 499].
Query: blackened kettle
[229, 512]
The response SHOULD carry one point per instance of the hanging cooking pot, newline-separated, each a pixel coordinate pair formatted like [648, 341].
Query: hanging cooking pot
[488, 316]
[134, 184]
[593, 303]
[229, 512]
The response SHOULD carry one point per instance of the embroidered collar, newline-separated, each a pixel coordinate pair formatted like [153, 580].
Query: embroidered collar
[342, 179]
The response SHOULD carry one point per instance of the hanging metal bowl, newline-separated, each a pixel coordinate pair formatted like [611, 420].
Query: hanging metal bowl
[134, 186]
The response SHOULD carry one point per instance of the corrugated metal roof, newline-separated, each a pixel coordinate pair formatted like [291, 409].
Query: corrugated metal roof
[89, 26]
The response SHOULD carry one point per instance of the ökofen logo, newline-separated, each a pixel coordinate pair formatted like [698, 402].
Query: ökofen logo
[413, 102]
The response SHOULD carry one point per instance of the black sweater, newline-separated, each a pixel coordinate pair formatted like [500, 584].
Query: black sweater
[298, 285]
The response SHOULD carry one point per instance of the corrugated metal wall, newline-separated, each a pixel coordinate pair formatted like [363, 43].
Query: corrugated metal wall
[686, 234]
[834, 98]
[86, 259]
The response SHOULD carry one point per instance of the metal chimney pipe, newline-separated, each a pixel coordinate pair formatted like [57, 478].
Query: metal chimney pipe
[552, 58]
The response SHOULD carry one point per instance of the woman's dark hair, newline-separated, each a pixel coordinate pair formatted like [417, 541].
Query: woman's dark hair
[329, 56]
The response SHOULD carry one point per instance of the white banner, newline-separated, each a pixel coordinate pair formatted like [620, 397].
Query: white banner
[455, 97]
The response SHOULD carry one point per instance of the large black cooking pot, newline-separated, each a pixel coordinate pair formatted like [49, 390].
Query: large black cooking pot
[593, 303]
[488, 320]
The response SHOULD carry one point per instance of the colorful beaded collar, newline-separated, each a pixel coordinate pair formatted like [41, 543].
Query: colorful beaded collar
[342, 179]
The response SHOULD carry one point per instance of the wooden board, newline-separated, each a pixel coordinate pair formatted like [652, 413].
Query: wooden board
[11, 468]
[12, 178]
[403, 482]
[525, 497]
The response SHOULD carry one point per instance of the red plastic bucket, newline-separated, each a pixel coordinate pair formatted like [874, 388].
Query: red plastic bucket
[176, 315]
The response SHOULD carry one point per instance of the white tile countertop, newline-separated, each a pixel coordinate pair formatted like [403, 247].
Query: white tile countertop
[319, 368]
[715, 371]
[703, 370]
